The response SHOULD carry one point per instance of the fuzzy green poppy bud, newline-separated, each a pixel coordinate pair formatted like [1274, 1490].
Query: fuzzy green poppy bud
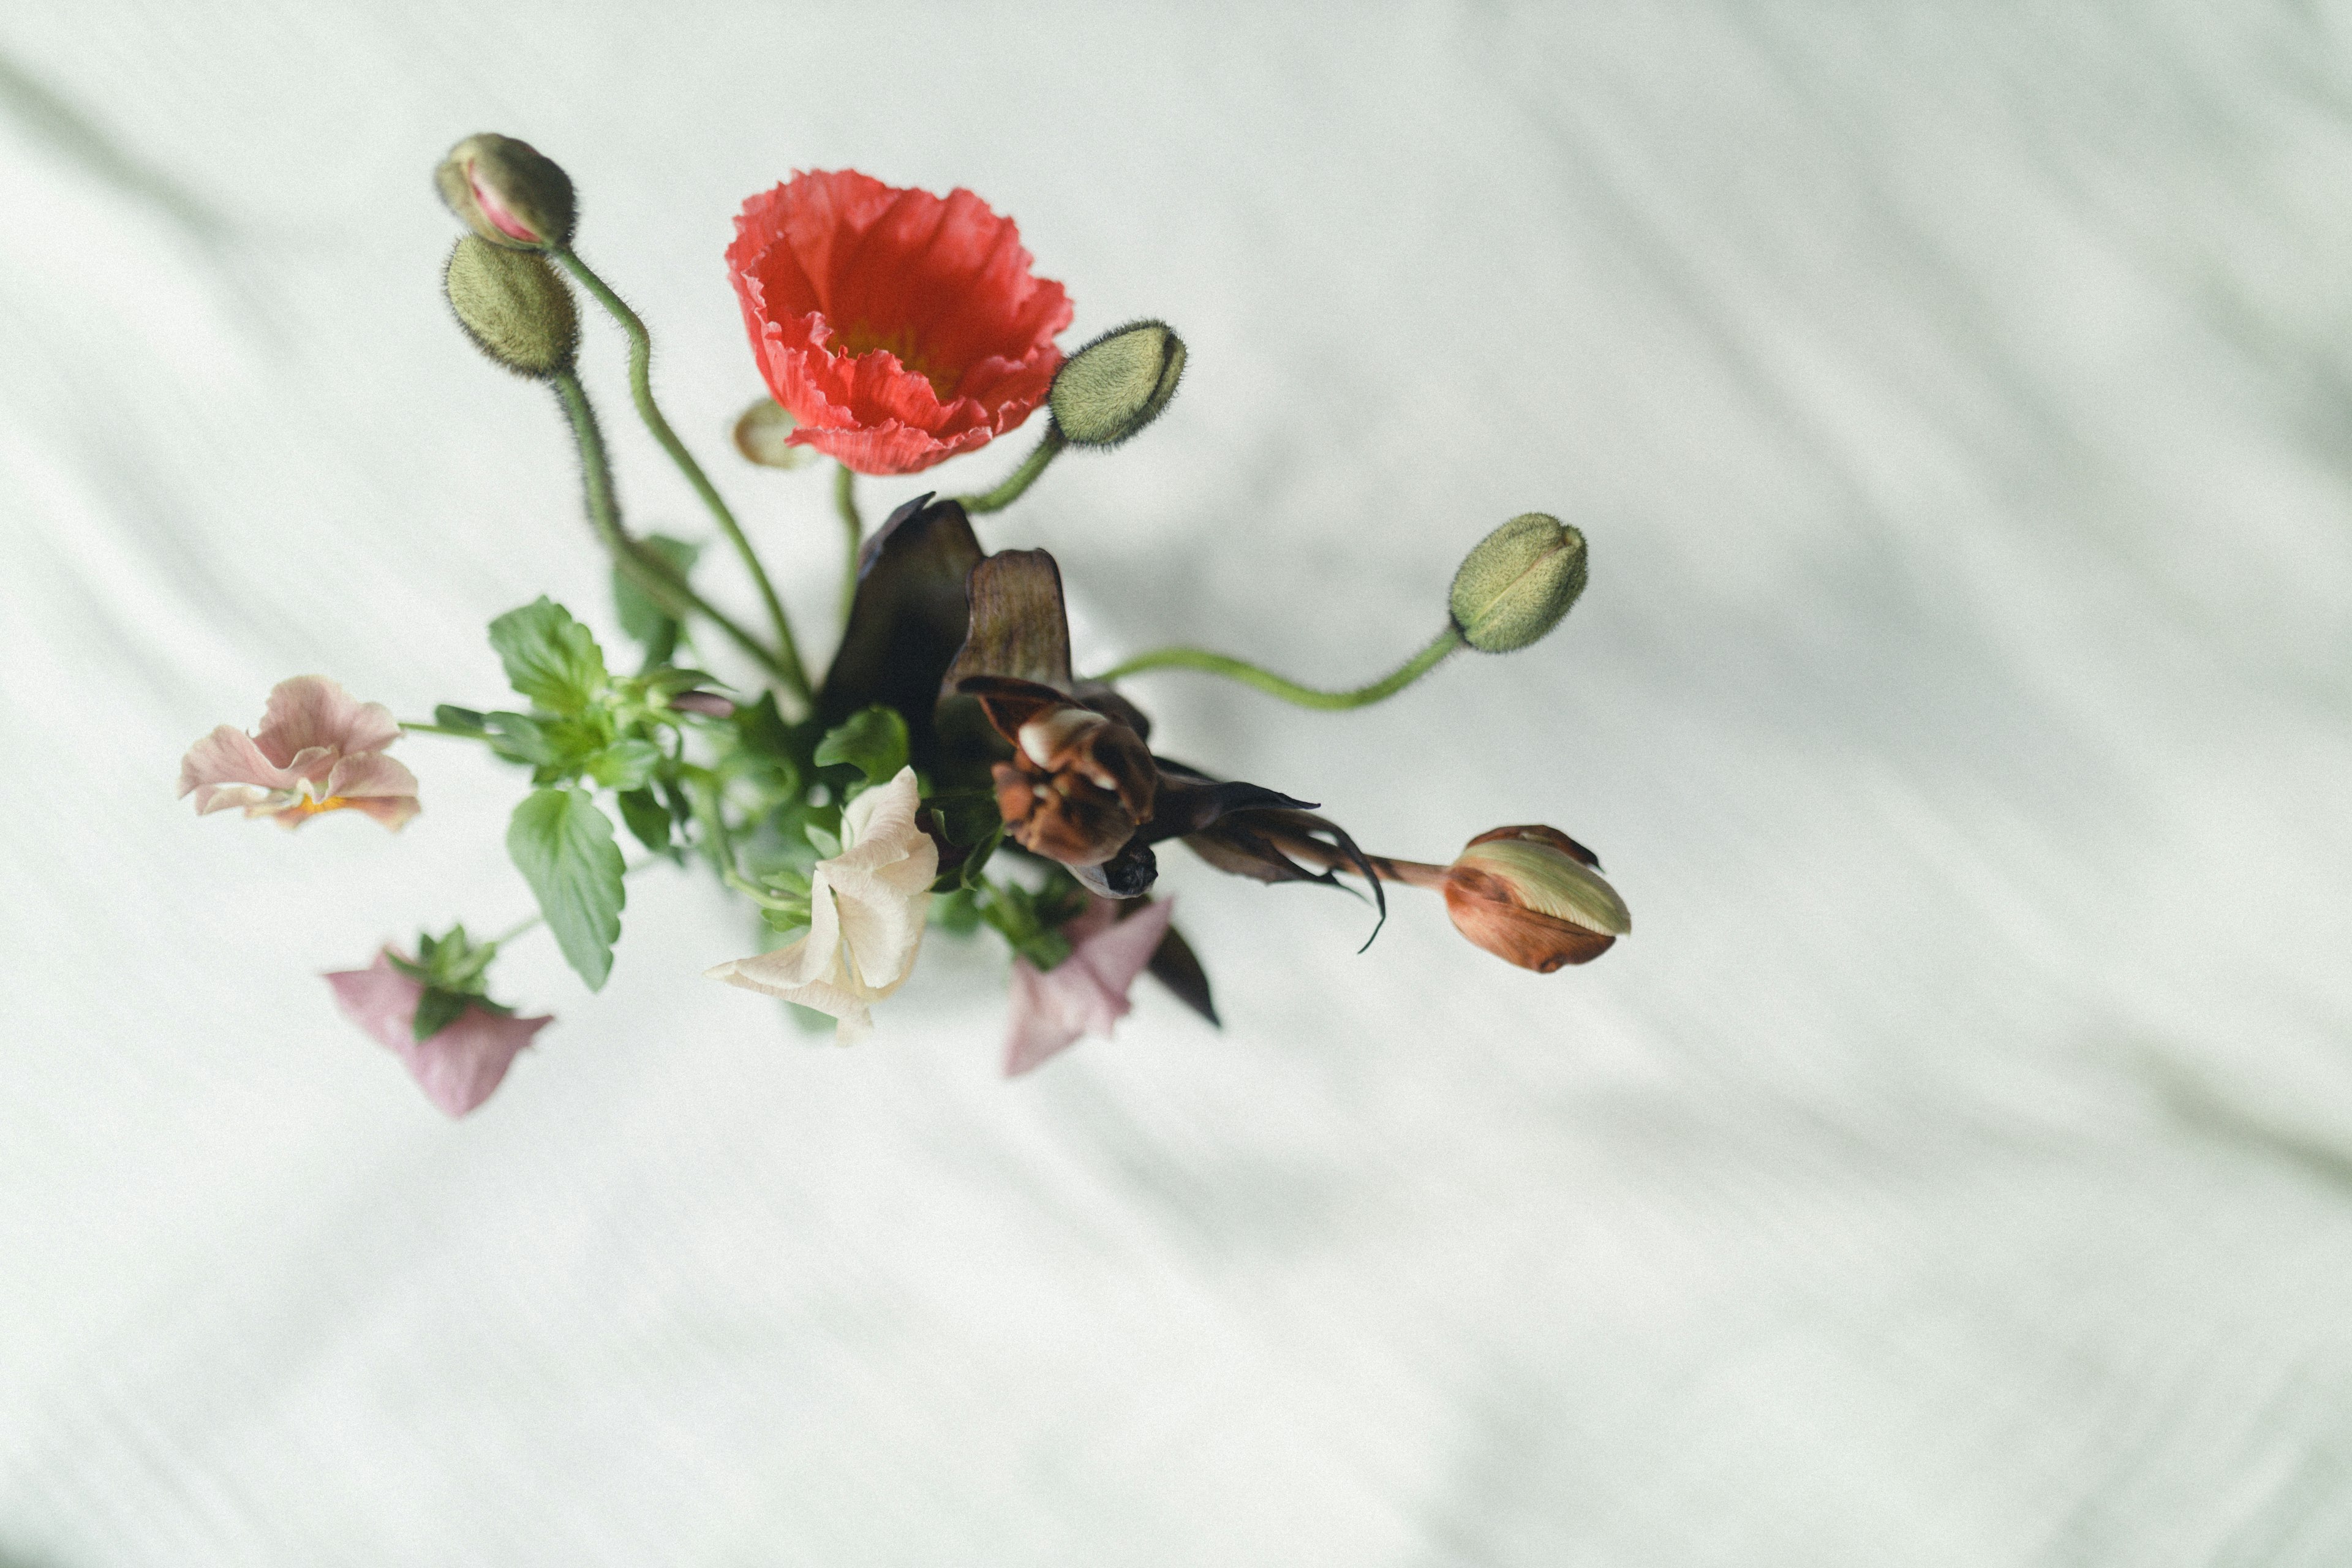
[508, 193]
[1515, 586]
[1117, 384]
[1534, 896]
[764, 435]
[514, 307]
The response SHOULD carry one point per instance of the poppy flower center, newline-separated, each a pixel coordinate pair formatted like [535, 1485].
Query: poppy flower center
[849, 342]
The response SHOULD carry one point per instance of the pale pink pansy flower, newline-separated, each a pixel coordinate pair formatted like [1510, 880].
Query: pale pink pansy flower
[458, 1066]
[319, 749]
[866, 908]
[1085, 994]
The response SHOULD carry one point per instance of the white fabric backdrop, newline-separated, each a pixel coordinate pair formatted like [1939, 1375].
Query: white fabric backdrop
[1954, 1166]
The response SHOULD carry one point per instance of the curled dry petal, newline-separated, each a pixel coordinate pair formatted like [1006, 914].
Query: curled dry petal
[899, 328]
[1078, 785]
[1087, 993]
[866, 908]
[458, 1066]
[319, 749]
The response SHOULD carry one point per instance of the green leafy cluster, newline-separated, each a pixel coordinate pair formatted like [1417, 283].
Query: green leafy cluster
[454, 971]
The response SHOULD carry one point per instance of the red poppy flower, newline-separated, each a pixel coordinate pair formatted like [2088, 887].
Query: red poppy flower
[899, 328]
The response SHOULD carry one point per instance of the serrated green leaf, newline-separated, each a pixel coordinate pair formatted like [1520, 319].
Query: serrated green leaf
[872, 740]
[648, 817]
[625, 764]
[643, 620]
[549, 658]
[436, 1010]
[563, 846]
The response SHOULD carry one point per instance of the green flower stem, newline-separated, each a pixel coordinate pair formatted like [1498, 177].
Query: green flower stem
[1024, 476]
[1273, 685]
[845, 501]
[413, 728]
[641, 354]
[642, 567]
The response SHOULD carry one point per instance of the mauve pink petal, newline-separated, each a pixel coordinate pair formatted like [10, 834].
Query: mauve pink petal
[1087, 991]
[370, 774]
[312, 710]
[459, 1066]
[226, 757]
[1038, 1024]
[1118, 956]
[379, 999]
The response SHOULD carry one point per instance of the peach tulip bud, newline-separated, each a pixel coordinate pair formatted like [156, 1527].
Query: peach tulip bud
[1534, 896]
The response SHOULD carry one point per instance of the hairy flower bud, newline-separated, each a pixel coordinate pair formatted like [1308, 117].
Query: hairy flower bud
[508, 193]
[514, 307]
[1534, 896]
[1515, 586]
[764, 435]
[1079, 783]
[1117, 384]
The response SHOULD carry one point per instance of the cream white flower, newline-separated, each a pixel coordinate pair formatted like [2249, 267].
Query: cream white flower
[867, 909]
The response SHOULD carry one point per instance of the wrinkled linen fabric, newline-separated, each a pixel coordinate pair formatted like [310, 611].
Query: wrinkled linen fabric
[1950, 1170]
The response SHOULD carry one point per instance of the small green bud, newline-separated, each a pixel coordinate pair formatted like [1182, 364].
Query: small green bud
[508, 193]
[1515, 586]
[1117, 384]
[764, 435]
[514, 307]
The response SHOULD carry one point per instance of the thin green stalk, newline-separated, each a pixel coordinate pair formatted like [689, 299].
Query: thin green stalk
[641, 354]
[642, 567]
[1273, 685]
[1022, 477]
[845, 501]
[413, 728]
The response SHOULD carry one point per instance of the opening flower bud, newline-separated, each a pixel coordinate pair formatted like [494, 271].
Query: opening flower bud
[508, 193]
[514, 307]
[1117, 384]
[1534, 896]
[1515, 586]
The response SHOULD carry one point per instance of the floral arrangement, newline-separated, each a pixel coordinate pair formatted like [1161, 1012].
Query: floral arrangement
[948, 768]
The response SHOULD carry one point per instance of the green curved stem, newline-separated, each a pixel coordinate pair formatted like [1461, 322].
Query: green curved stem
[641, 354]
[1273, 685]
[845, 501]
[642, 567]
[1022, 477]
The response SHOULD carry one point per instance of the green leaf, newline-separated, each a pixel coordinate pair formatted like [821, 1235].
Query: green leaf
[518, 738]
[643, 620]
[956, 913]
[549, 658]
[826, 844]
[436, 1010]
[563, 846]
[872, 740]
[451, 717]
[625, 764]
[648, 817]
[975, 863]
